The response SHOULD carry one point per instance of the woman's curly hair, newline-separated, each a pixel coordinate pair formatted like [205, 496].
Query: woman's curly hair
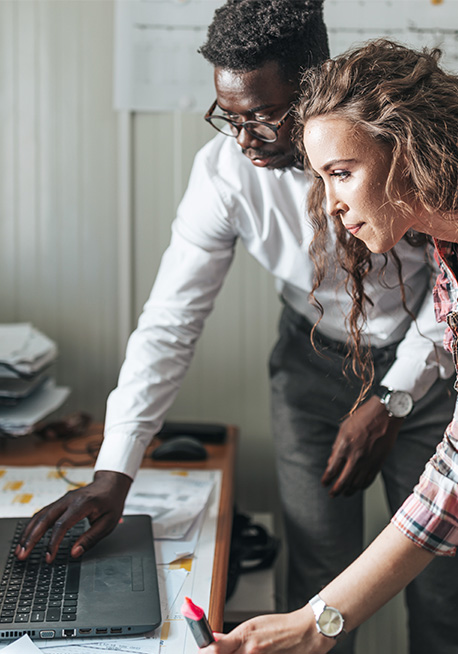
[401, 97]
[246, 34]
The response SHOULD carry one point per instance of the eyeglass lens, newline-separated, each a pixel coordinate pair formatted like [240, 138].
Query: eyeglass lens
[258, 130]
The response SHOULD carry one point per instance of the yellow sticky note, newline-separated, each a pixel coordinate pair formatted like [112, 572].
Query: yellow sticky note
[2, 472]
[55, 474]
[185, 564]
[23, 498]
[165, 630]
[13, 485]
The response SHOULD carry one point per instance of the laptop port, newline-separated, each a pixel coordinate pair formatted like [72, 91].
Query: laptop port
[48, 633]
[101, 631]
[116, 630]
[85, 631]
[68, 633]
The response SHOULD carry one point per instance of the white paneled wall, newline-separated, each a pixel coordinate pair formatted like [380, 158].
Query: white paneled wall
[59, 241]
[57, 185]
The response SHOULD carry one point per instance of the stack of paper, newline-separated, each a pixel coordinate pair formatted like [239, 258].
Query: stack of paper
[27, 392]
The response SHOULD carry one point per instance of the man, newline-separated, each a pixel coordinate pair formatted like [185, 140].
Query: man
[252, 187]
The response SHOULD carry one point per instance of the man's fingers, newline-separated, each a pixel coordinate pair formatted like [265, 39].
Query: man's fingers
[344, 482]
[333, 469]
[61, 526]
[98, 530]
[359, 481]
[37, 527]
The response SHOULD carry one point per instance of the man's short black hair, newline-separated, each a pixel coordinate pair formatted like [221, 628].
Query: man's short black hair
[246, 34]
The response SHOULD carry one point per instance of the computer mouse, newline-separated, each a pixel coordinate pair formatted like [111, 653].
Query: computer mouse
[180, 448]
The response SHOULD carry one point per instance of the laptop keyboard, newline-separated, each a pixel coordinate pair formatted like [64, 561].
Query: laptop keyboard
[34, 591]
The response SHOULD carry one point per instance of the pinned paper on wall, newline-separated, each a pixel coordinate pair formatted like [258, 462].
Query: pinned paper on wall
[416, 23]
[157, 64]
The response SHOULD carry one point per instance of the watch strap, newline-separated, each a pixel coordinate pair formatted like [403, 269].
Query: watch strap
[382, 391]
[318, 605]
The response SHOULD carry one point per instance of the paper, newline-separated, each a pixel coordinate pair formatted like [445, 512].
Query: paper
[157, 64]
[25, 348]
[21, 418]
[168, 551]
[14, 388]
[174, 503]
[126, 644]
[21, 646]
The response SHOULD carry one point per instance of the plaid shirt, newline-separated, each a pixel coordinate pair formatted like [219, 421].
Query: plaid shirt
[430, 515]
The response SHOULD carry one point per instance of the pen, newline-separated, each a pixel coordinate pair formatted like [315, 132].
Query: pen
[197, 622]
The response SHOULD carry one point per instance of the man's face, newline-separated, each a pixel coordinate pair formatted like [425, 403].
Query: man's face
[263, 95]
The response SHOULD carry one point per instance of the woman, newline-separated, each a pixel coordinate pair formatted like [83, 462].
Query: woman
[379, 127]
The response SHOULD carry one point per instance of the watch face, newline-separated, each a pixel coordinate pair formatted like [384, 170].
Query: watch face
[400, 404]
[330, 622]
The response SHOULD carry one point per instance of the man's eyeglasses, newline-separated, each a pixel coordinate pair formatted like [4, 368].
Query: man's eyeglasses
[267, 132]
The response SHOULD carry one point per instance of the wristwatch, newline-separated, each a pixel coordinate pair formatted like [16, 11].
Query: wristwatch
[398, 403]
[329, 620]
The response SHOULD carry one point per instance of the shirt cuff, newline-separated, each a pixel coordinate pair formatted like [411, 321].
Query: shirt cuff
[426, 529]
[413, 377]
[121, 453]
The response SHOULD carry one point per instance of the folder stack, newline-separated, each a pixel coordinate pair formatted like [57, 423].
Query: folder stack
[28, 391]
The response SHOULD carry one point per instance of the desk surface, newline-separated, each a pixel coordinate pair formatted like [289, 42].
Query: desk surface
[32, 450]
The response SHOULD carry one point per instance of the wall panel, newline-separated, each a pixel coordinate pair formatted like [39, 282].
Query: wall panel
[58, 186]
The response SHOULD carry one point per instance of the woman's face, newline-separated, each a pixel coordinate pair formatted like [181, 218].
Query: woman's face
[354, 168]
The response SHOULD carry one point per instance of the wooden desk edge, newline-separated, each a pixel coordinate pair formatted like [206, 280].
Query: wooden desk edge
[223, 536]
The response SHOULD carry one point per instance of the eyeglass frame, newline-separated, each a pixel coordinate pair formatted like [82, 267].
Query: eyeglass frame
[242, 125]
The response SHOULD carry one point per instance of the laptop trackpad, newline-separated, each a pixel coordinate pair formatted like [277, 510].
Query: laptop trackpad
[119, 573]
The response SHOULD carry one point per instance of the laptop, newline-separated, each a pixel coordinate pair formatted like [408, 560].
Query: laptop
[111, 591]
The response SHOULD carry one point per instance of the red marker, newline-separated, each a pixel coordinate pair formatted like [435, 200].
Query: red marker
[197, 622]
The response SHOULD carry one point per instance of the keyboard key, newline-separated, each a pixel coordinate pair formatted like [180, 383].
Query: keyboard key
[67, 617]
[73, 578]
[24, 608]
[37, 616]
[69, 609]
[53, 615]
[70, 596]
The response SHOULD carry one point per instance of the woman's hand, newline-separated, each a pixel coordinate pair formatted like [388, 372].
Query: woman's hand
[285, 633]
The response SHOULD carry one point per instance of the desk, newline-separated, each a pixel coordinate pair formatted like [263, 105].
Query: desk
[32, 450]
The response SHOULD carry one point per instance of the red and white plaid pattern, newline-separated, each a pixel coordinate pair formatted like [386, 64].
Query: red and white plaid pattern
[429, 516]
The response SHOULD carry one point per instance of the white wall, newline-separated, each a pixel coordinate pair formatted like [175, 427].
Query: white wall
[59, 239]
[57, 185]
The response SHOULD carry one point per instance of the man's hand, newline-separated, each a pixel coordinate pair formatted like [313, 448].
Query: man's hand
[361, 446]
[101, 501]
[286, 633]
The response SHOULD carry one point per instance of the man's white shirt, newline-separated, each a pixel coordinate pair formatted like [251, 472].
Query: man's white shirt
[229, 199]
